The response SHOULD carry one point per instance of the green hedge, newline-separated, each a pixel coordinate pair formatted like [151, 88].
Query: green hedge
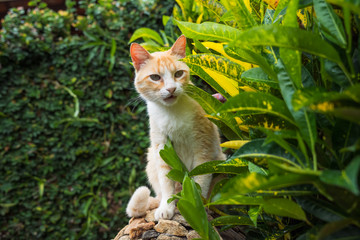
[72, 131]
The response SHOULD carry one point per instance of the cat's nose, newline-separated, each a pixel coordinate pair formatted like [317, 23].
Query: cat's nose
[171, 90]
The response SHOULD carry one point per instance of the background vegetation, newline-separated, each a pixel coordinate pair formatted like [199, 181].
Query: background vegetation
[289, 71]
[72, 137]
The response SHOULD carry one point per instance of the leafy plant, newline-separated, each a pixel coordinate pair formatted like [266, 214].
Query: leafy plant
[289, 73]
[71, 143]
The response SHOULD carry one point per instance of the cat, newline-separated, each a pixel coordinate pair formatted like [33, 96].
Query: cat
[161, 80]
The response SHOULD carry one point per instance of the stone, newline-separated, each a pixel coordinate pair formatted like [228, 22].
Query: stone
[169, 237]
[125, 237]
[150, 216]
[171, 228]
[133, 223]
[192, 234]
[179, 218]
[150, 234]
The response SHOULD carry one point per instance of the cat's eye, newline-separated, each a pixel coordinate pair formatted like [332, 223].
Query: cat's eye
[155, 77]
[179, 73]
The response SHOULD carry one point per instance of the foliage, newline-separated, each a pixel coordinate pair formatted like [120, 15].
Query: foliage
[290, 74]
[72, 142]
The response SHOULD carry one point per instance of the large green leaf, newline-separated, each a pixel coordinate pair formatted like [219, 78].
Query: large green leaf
[307, 97]
[256, 102]
[320, 209]
[191, 207]
[216, 63]
[240, 12]
[214, 7]
[218, 167]
[290, 57]
[304, 120]
[284, 207]
[288, 37]
[211, 105]
[208, 31]
[146, 33]
[353, 5]
[169, 156]
[233, 191]
[231, 220]
[221, 73]
[258, 75]
[347, 178]
[330, 23]
[271, 151]
[250, 56]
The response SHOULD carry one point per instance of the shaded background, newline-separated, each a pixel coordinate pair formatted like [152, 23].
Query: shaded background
[73, 134]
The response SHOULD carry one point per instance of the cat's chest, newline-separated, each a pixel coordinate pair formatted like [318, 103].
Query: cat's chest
[173, 122]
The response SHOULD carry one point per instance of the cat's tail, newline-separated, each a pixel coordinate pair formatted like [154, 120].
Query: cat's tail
[140, 202]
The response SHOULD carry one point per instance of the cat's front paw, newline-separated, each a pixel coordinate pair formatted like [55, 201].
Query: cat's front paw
[164, 211]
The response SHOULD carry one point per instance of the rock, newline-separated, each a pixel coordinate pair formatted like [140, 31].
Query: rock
[171, 228]
[192, 234]
[150, 216]
[180, 219]
[169, 237]
[150, 234]
[125, 237]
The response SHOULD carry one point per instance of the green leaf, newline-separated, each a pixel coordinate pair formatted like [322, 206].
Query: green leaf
[223, 71]
[304, 120]
[169, 155]
[233, 191]
[191, 207]
[353, 5]
[208, 31]
[320, 209]
[146, 33]
[231, 220]
[254, 213]
[250, 56]
[290, 57]
[217, 167]
[271, 151]
[211, 105]
[257, 75]
[288, 37]
[284, 207]
[307, 97]
[330, 23]
[240, 12]
[214, 7]
[347, 178]
[257, 102]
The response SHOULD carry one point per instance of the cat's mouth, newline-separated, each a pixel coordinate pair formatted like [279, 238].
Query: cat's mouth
[170, 99]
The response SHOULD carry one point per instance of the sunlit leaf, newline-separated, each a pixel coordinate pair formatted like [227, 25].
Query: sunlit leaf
[146, 33]
[288, 37]
[241, 13]
[253, 102]
[220, 69]
[208, 31]
[217, 167]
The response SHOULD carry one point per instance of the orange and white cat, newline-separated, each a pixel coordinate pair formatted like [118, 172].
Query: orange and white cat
[161, 79]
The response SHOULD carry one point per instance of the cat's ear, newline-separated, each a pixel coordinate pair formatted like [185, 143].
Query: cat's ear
[179, 47]
[138, 55]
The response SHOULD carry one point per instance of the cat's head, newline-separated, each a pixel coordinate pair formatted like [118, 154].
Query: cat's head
[160, 77]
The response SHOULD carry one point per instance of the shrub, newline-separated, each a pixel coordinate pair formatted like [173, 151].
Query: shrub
[290, 74]
[72, 140]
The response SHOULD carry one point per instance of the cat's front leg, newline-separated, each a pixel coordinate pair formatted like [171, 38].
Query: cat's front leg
[166, 210]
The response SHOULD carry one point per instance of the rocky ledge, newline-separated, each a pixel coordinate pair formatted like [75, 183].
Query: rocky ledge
[177, 228]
